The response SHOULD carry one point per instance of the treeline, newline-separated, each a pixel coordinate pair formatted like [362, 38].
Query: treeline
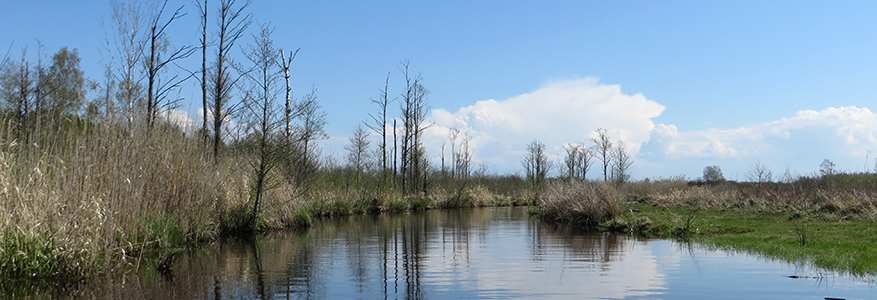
[612, 158]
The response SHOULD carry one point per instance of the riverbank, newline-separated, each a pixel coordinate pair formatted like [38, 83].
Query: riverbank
[828, 222]
[87, 199]
[820, 239]
[91, 198]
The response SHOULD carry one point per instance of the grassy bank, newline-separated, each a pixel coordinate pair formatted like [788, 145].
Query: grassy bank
[819, 239]
[828, 222]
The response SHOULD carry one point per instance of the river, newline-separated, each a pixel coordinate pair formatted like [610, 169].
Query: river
[483, 253]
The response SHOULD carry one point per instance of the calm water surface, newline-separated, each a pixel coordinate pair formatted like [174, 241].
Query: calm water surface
[482, 253]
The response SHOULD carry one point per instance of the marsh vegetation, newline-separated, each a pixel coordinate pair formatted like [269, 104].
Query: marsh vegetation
[99, 174]
[825, 220]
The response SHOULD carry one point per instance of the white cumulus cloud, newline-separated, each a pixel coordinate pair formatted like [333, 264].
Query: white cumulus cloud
[850, 128]
[557, 113]
[799, 143]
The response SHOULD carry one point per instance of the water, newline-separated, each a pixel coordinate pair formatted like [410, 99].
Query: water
[484, 253]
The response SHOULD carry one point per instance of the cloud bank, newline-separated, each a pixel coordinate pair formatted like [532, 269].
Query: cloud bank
[557, 113]
[849, 127]
[801, 142]
[569, 111]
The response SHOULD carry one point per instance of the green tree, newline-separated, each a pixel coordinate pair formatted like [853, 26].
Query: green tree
[713, 174]
[66, 83]
[16, 85]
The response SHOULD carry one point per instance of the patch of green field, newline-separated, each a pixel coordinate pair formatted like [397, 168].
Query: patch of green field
[823, 240]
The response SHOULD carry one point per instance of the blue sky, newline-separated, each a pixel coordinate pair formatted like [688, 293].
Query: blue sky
[685, 84]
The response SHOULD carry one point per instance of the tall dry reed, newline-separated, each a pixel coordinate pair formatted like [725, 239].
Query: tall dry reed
[579, 202]
[104, 196]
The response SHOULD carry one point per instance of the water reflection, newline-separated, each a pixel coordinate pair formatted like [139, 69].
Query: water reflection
[470, 253]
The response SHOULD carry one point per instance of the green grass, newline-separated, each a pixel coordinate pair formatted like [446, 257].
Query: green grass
[820, 239]
[28, 257]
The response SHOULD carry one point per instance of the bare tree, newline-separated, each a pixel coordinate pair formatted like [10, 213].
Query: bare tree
[6, 56]
[583, 161]
[357, 150]
[413, 156]
[444, 170]
[395, 149]
[127, 54]
[311, 127]
[787, 176]
[379, 124]
[288, 114]
[577, 160]
[603, 145]
[760, 173]
[572, 153]
[461, 154]
[536, 163]
[452, 138]
[261, 113]
[157, 91]
[463, 163]
[232, 24]
[202, 13]
[621, 163]
[41, 89]
[827, 167]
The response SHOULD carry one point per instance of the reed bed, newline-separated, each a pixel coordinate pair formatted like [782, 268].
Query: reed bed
[327, 202]
[807, 195]
[108, 197]
[582, 203]
[99, 198]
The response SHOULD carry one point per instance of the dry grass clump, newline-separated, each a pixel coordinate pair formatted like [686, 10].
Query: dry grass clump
[583, 203]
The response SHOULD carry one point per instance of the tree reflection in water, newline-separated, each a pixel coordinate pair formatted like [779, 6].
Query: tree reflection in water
[442, 253]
